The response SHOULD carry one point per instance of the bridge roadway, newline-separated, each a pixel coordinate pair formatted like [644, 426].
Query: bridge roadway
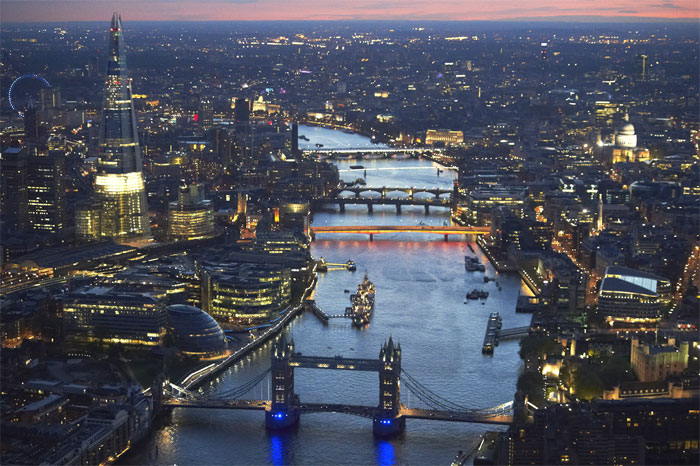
[337, 362]
[355, 410]
[378, 229]
[369, 150]
[437, 202]
[513, 333]
[384, 190]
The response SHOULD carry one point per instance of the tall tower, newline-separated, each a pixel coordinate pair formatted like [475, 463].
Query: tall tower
[206, 114]
[282, 412]
[119, 187]
[387, 420]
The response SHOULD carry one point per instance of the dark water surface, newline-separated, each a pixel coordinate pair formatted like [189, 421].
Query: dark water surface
[421, 285]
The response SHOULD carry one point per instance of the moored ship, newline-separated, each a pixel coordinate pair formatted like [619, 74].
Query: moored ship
[363, 302]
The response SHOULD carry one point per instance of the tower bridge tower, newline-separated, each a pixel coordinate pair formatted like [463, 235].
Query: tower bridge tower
[387, 421]
[283, 412]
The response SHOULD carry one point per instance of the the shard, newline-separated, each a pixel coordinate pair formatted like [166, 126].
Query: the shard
[119, 185]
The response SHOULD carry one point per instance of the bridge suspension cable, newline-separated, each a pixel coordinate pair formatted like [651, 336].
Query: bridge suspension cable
[237, 392]
[438, 402]
[429, 397]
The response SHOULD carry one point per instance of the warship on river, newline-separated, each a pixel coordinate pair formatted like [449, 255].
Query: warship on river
[362, 303]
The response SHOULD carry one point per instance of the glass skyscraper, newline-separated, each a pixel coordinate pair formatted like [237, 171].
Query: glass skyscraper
[119, 186]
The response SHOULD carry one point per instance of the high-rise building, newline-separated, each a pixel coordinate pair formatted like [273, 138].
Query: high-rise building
[119, 186]
[46, 189]
[192, 216]
[50, 98]
[13, 196]
[31, 123]
[206, 114]
[295, 139]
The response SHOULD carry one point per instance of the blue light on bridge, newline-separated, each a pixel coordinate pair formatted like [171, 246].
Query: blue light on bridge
[278, 415]
[386, 421]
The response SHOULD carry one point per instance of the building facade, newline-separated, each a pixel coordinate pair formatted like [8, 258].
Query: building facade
[119, 186]
[192, 216]
[102, 315]
[245, 293]
[658, 362]
[632, 296]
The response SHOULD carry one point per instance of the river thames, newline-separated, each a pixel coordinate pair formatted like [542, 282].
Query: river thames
[420, 301]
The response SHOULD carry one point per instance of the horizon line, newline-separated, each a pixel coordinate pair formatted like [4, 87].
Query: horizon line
[582, 19]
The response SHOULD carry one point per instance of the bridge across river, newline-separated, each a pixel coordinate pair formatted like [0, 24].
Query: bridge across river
[284, 407]
[372, 230]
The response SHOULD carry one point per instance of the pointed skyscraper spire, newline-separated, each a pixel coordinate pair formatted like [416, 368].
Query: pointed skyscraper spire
[119, 185]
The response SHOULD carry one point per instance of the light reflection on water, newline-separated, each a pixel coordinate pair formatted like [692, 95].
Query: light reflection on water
[421, 285]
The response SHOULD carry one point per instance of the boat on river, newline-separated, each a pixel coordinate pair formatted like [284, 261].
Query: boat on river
[477, 294]
[363, 303]
[472, 264]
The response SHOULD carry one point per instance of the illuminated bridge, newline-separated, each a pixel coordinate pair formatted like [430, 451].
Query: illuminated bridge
[396, 196]
[370, 150]
[283, 406]
[385, 191]
[372, 230]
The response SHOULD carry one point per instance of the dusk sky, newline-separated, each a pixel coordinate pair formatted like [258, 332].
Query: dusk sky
[237, 10]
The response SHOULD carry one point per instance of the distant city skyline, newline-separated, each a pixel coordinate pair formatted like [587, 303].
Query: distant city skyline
[261, 10]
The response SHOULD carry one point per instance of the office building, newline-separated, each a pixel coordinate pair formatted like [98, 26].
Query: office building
[632, 296]
[46, 190]
[13, 200]
[444, 136]
[195, 332]
[119, 186]
[244, 293]
[206, 114]
[192, 216]
[103, 315]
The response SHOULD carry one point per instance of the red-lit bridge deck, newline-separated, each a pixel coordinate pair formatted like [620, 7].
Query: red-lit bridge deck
[379, 229]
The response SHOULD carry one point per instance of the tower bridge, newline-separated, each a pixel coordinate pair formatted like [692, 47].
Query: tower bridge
[284, 406]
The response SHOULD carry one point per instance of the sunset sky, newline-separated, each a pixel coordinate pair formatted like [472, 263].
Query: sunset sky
[236, 10]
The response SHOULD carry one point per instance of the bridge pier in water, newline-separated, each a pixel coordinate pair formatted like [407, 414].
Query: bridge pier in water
[398, 209]
[285, 407]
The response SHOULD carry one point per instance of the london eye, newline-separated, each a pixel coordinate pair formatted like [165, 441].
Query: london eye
[24, 89]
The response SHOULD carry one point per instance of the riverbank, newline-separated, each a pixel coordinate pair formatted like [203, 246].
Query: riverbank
[197, 378]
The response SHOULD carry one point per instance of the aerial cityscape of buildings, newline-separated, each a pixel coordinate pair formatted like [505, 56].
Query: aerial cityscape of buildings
[184, 234]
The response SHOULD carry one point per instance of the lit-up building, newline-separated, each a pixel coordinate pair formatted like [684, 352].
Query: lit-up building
[245, 293]
[625, 145]
[120, 192]
[477, 208]
[206, 114]
[100, 314]
[445, 136]
[192, 216]
[605, 112]
[632, 296]
[657, 362]
[195, 332]
[46, 190]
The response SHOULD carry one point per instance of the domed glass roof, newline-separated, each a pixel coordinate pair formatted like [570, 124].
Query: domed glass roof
[195, 331]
